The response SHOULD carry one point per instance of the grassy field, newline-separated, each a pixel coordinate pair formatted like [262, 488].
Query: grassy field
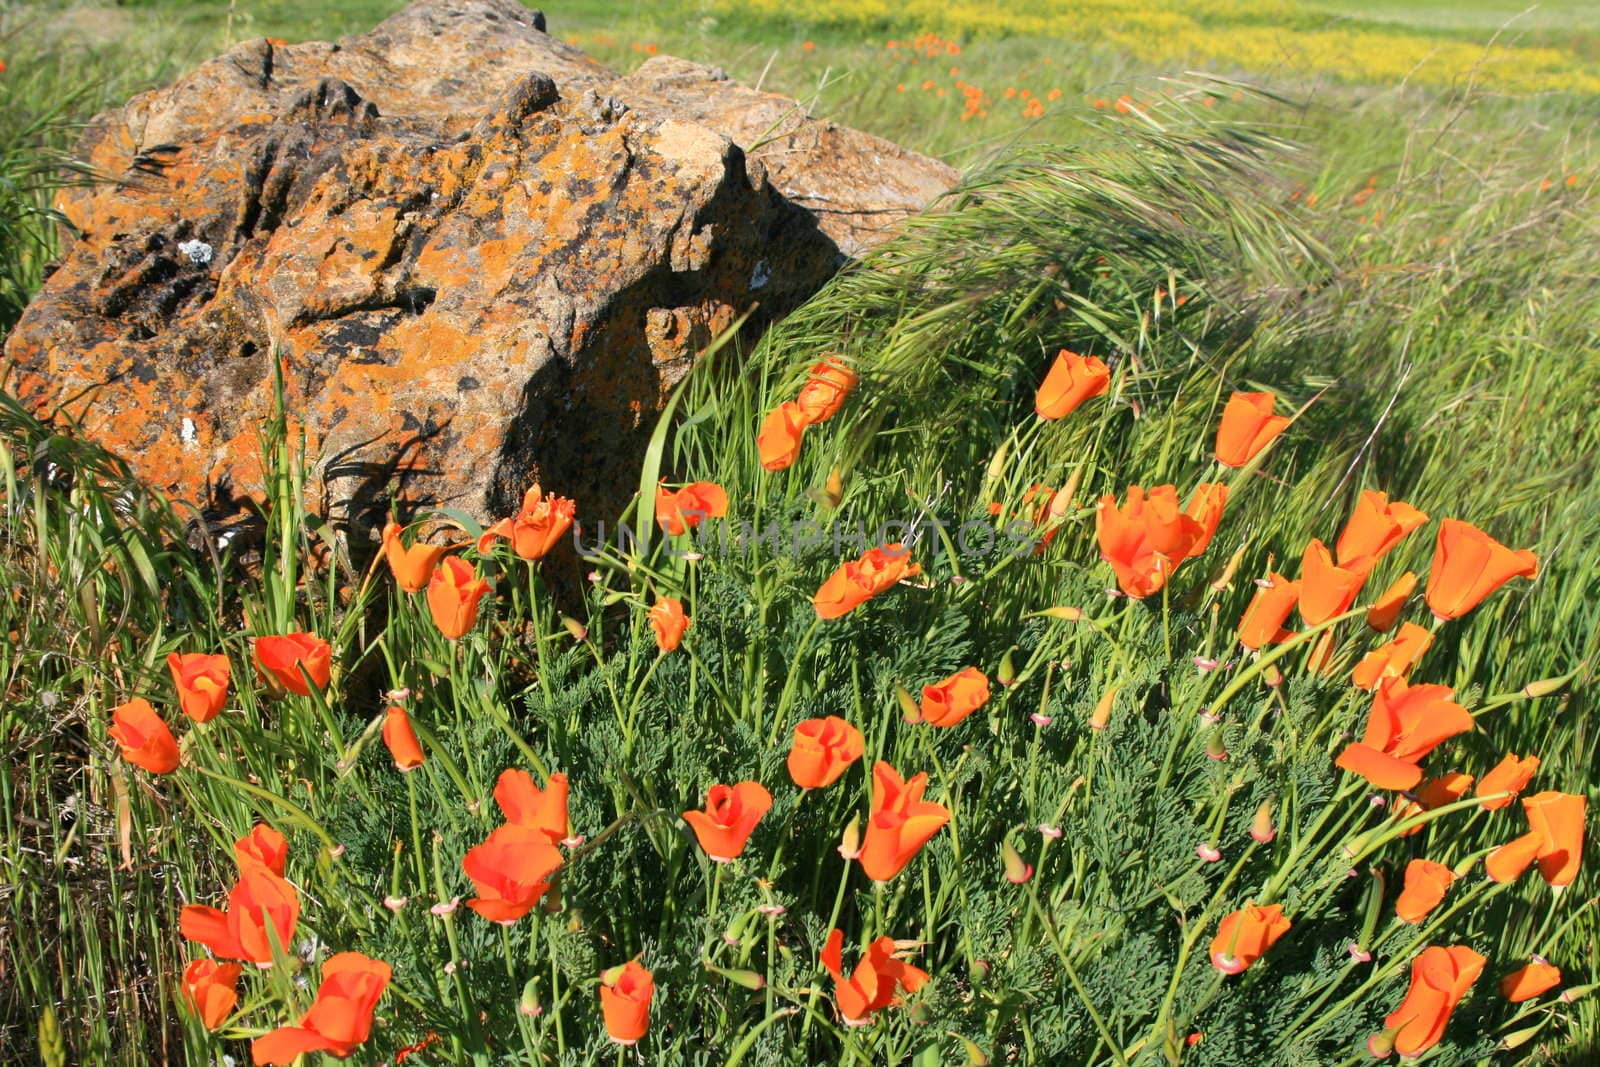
[1384, 213]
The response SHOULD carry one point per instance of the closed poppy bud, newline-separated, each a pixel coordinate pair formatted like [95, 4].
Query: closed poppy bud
[876, 982]
[824, 392]
[1529, 981]
[730, 816]
[625, 994]
[1434, 793]
[1262, 622]
[401, 739]
[1008, 667]
[1511, 775]
[1394, 659]
[900, 823]
[202, 683]
[823, 750]
[340, 1018]
[1385, 611]
[511, 871]
[1261, 828]
[1100, 717]
[411, 567]
[1558, 820]
[1326, 590]
[1245, 936]
[850, 841]
[669, 622]
[453, 595]
[1506, 863]
[1425, 886]
[1440, 977]
[948, 702]
[211, 989]
[1205, 508]
[857, 581]
[1248, 425]
[535, 529]
[143, 738]
[1071, 380]
[779, 440]
[1017, 869]
[910, 710]
[1375, 526]
[1468, 565]
[682, 510]
[282, 659]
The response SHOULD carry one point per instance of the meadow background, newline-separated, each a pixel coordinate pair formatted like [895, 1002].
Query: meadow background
[1389, 208]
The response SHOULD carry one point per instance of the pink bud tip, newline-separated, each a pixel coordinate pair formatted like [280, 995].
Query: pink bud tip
[1207, 853]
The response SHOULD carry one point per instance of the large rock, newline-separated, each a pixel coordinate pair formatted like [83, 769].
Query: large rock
[481, 257]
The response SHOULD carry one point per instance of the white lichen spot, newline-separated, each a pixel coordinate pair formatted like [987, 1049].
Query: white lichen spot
[189, 433]
[197, 251]
[761, 275]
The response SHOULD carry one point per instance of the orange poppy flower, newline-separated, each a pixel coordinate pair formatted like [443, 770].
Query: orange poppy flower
[281, 659]
[536, 528]
[143, 738]
[1326, 590]
[262, 908]
[625, 994]
[778, 442]
[265, 846]
[453, 595]
[900, 824]
[1406, 723]
[1262, 622]
[1529, 981]
[1245, 935]
[340, 1018]
[1506, 863]
[669, 622]
[525, 804]
[510, 871]
[1393, 659]
[1248, 425]
[948, 702]
[1558, 820]
[1440, 977]
[1071, 380]
[202, 683]
[1205, 508]
[1385, 611]
[824, 392]
[678, 511]
[823, 750]
[1434, 793]
[211, 989]
[730, 816]
[1510, 775]
[1375, 526]
[1468, 565]
[411, 567]
[858, 581]
[1425, 886]
[876, 982]
[401, 739]
[1146, 539]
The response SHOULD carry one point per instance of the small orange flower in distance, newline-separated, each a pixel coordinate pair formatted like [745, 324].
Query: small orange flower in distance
[401, 739]
[525, 804]
[1440, 977]
[948, 702]
[1511, 775]
[823, 750]
[625, 994]
[730, 816]
[877, 980]
[1262, 622]
[1468, 565]
[1375, 526]
[678, 511]
[510, 871]
[1245, 935]
[1385, 611]
[340, 1018]
[1529, 981]
[1145, 539]
[281, 659]
[1393, 659]
[265, 846]
[824, 392]
[453, 595]
[1406, 723]
[778, 442]
[858, 581]
[1506, 863]
[1071, 380]
[1434, 793]
[900, 824]
[669, 622]
[1558, 820]
[143, 738]
[411, 567]
[1248, 425]
[211, 989]
[1326, 590]
[202, 683]
[1425, 886]
[536, 528]
[258, 902]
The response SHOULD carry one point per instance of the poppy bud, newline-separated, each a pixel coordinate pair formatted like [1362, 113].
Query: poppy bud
[743, 979]
[909, 711]
[1381, 1045]
[1071, 380]
[528, 1004]
[1545, 687]
[1100, 718]
[578, 630]
[779, 439]
[1064, 614]
[1261, 826]
[1008, 668]
[825, 390]
[401, 739]
[1017, 869]
[850, 840]
[1215, 749]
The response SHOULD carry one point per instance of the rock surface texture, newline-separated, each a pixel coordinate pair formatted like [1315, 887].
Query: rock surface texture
[481, 257]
